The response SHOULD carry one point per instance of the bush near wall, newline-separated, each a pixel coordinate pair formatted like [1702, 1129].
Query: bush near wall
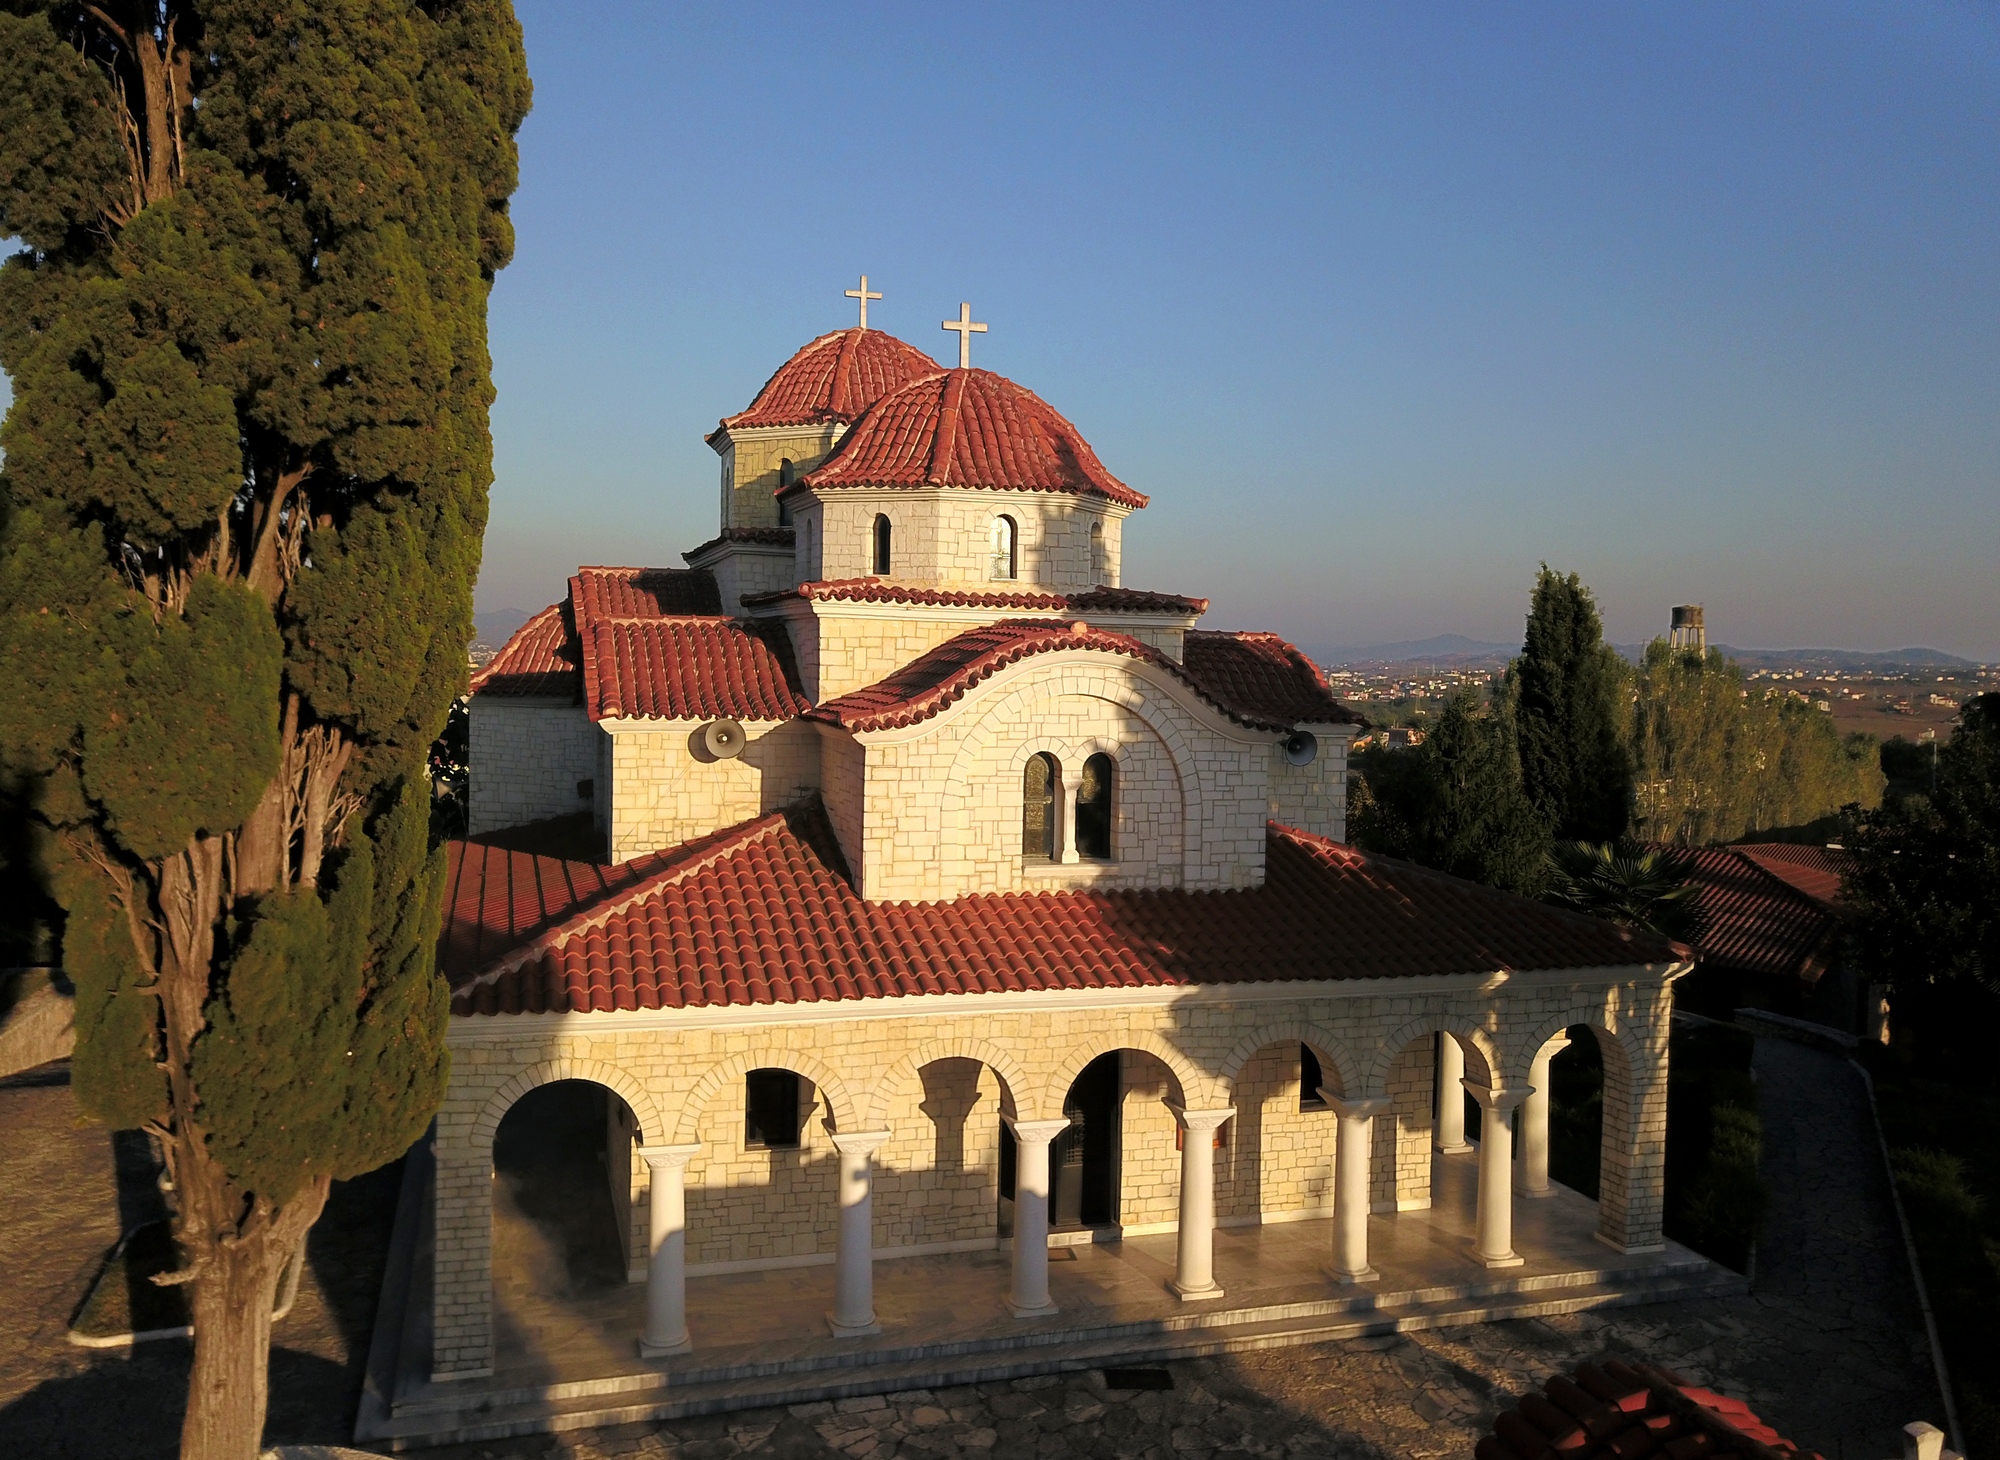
[1716, 1199]
[1946, 1157]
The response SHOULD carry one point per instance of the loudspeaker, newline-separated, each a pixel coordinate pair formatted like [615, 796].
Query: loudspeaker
[1301, 746]
[722, 739]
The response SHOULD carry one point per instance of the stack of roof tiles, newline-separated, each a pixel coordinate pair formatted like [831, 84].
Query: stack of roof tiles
[1617, 1411]
[764, 914]
[968, 428]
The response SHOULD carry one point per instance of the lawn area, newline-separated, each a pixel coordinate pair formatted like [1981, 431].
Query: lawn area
[1944, 1145]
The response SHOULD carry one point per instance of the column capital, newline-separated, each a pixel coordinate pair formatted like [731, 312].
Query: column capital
[1039, 1131]
[668, 1158]
[1502, 1100]
[1356, 1109]
[858, 1143]
[1554, 1047]
[1200, 1120]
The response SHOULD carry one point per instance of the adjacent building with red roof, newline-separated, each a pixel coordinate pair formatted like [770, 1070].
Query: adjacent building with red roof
[908, 880]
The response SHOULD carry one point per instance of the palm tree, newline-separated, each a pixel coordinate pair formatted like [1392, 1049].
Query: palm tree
[1640, 887]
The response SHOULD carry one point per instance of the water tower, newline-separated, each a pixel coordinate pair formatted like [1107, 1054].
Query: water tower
[1688, 631]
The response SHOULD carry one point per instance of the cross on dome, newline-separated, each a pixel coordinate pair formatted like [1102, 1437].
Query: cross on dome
[864, 296]
[965, 329]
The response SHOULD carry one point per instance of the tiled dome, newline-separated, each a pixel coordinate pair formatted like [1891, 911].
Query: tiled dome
[834, 379]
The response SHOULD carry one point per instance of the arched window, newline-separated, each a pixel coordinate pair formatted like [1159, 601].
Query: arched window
[1093, 808]
[785, 479]
[1038, 808]
[1006, 549]
[881, 546]
[1097, 562]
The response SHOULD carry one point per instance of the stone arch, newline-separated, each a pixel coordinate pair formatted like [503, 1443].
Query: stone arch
[1334, 1056]
[846, 1115]
[1004, 1066]
[1615, 1036]
[1482, 1053]
[1199, 1090]
[652, 1127]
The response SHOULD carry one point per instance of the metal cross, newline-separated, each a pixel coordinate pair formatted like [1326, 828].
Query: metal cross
[864, 296]
[965, 329]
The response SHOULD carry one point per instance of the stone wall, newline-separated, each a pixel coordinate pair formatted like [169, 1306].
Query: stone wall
[944, 536]
[528, 759]
[665, 790]
[1313, 797]
[682, 1075]
[1188, 801]
[751, 461]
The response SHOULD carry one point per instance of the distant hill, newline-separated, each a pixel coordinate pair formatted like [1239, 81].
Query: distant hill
[1440, 648]
[1834, 660]
[494, 629]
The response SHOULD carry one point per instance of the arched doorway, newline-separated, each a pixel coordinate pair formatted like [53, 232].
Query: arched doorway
[1084, 1163]
[1576, 1112]
[562, 1200]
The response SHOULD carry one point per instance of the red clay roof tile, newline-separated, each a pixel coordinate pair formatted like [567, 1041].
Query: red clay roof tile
[542, 660]
[1819, 872]
[689, 668]
[777, 537]
[596, 593]
[967, 428]
[1755, 921]
[933, 682]
[833, 379]
[1264, 676]
[882, 590]
[1619, 1411]
[756, 915]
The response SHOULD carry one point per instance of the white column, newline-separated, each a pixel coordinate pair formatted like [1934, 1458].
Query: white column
[853, 1312]
[1030, 1296]
[1194, 1266]
[1065, 809]
[1450, 1099]
[1356, 1122]
[1493, 1241]
[1531, 1172]
[666, 1251]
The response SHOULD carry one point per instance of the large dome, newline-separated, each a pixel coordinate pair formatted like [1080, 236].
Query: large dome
[833, 380]
[968, 428]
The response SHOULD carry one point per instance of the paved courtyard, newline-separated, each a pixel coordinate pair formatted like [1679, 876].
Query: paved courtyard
[1828, 1347]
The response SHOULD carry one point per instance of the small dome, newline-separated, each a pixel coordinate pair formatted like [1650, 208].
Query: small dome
[834, 379]
[968, 428]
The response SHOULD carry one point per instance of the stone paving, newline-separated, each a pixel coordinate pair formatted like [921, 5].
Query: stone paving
[1828, 1347]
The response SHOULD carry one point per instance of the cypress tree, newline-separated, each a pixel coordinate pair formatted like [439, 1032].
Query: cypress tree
[244, 485]
[1569, 714]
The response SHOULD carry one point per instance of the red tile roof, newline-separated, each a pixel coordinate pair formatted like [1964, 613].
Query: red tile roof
[1754, 921]
[935, 681]
[967, 428]
[689, 668]
[880, 590]
[596, 593]
[1265, 677]
[761, 915]
[835, 378]
[777, 537]
[1618, 1411]
[541, 659]
[1819, 872]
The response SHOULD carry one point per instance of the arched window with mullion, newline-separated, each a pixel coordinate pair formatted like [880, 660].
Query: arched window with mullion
[1093, 808]
[1038, 808]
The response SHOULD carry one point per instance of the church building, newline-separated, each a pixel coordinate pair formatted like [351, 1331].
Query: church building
[916, 891]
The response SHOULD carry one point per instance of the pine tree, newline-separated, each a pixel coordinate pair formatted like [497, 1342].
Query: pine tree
[244, 485]
[1568, 688]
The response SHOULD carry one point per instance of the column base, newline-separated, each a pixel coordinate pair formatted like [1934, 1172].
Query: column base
[1196, 1295]
[1533, 1195]
[852, 1330]
[1366, 1275]
[1510, 1260]
[664, 1350]
[1638, 1249]
[1045, 1311]
[1463, 1148]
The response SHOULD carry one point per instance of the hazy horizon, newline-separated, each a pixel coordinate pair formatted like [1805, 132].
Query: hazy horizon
[1383, 308]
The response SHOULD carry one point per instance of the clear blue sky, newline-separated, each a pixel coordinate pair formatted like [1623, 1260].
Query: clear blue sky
[1382, 305]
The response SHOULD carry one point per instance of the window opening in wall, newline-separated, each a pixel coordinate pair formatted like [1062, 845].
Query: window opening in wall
[1038, 808]
[785, 479]
[1310, 1079]
[881, 546]
[771, 1104]
[1097, 566]
[1006, 549]
[1093, 808]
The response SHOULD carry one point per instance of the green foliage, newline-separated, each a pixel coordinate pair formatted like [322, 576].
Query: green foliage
[1717, 759]
[1925, 892]
[1455, 802]
[1638, 887]
[1568, 690]
[115, 1070]
[62, 165]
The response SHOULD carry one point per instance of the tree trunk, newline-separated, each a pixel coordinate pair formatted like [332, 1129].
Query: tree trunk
[229, 1387]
